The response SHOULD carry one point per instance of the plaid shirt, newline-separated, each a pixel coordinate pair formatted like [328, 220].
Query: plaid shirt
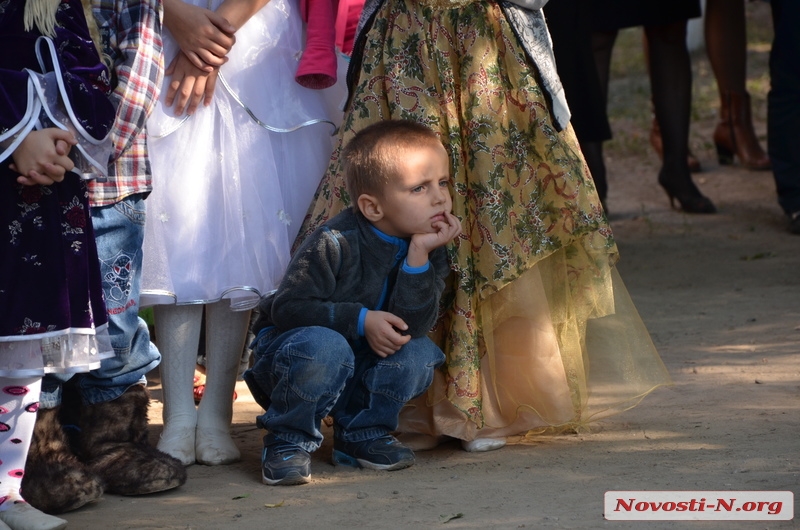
[131, 33]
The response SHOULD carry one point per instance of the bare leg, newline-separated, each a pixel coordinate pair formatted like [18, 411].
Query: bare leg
[726, 43]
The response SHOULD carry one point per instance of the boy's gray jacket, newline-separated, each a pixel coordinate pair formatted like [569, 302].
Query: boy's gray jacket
[344, 267]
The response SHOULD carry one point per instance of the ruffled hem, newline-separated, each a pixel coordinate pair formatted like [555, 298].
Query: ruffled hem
[544, 370]
[241, 298]
[64, 351]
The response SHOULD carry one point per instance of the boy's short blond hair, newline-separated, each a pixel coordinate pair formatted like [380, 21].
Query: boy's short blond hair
[369, 161]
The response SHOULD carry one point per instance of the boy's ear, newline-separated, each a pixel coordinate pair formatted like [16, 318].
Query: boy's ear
[370, 207]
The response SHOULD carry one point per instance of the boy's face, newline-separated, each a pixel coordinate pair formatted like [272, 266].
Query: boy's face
[418, 195]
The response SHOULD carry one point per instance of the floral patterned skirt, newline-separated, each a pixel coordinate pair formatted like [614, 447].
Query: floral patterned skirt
[534, 297]
[52, 313]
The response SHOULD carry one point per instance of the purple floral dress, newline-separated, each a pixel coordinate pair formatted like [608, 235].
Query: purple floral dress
[52, 313]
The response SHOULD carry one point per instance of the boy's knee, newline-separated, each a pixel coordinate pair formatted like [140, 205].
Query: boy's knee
[313, 353]
[422, 352]
[397, 382]
[321, 345]
[406, 374]
[313, 362]
[309, 342]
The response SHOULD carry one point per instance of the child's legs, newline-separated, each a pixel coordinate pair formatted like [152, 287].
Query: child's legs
[371, 402]
[119, 232]
[19, 401]
[178, 331]
[303, 371]
[225, 335]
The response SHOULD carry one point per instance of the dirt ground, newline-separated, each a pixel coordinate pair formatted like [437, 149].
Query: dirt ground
[719, 295]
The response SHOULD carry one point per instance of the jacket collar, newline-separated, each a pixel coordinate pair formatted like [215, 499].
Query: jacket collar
[379, 244]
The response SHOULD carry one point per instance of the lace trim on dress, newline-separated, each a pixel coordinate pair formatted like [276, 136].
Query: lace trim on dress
[64, 351]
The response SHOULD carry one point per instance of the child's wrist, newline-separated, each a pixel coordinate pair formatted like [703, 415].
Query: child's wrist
[416, 257]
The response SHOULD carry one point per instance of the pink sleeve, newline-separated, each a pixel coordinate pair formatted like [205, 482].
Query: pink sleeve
[317, 67]
[349, 12]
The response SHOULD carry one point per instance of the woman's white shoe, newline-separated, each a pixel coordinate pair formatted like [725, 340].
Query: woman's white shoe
[479, 445]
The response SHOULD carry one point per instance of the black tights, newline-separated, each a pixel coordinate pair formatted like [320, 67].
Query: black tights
[671, 86]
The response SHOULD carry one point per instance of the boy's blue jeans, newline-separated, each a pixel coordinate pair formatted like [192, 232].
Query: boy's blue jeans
[305, 374]
[119, 232]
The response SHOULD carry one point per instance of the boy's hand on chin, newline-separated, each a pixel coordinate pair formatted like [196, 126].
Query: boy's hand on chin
[422, 244]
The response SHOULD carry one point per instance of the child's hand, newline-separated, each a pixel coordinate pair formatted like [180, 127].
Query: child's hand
[204, 36]
[382, 337]
[41, 157]
[189, 85]
[422, 244]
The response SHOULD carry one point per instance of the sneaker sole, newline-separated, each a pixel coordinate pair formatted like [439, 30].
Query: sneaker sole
[343, 459]
[292, 479]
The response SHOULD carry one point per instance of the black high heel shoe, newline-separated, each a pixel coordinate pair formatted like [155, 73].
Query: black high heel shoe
[688, 196]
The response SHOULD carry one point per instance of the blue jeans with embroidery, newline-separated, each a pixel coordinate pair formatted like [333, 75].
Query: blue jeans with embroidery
[305, 374]
[119, 232]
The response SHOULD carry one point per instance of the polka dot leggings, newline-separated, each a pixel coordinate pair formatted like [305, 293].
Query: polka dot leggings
[19, 401]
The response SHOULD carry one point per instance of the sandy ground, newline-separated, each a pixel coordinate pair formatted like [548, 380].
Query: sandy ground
[719, 295]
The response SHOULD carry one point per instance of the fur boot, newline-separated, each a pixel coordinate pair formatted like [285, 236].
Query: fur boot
[113, 444]
[55, 480]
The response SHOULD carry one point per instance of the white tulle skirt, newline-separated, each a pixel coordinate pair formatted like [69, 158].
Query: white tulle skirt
[232, 183]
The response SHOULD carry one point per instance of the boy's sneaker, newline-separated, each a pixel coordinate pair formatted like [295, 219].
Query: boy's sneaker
[284, 463]
[384, 453]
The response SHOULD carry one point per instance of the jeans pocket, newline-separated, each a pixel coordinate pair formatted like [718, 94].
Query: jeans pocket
[133, 210]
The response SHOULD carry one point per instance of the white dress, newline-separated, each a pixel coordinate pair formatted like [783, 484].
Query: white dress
[232, 183]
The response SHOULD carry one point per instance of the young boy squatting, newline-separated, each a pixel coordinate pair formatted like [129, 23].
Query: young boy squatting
[345, 333]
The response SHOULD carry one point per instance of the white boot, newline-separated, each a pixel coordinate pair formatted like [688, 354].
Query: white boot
[225, 335]
[178, 335]
[23, 516]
